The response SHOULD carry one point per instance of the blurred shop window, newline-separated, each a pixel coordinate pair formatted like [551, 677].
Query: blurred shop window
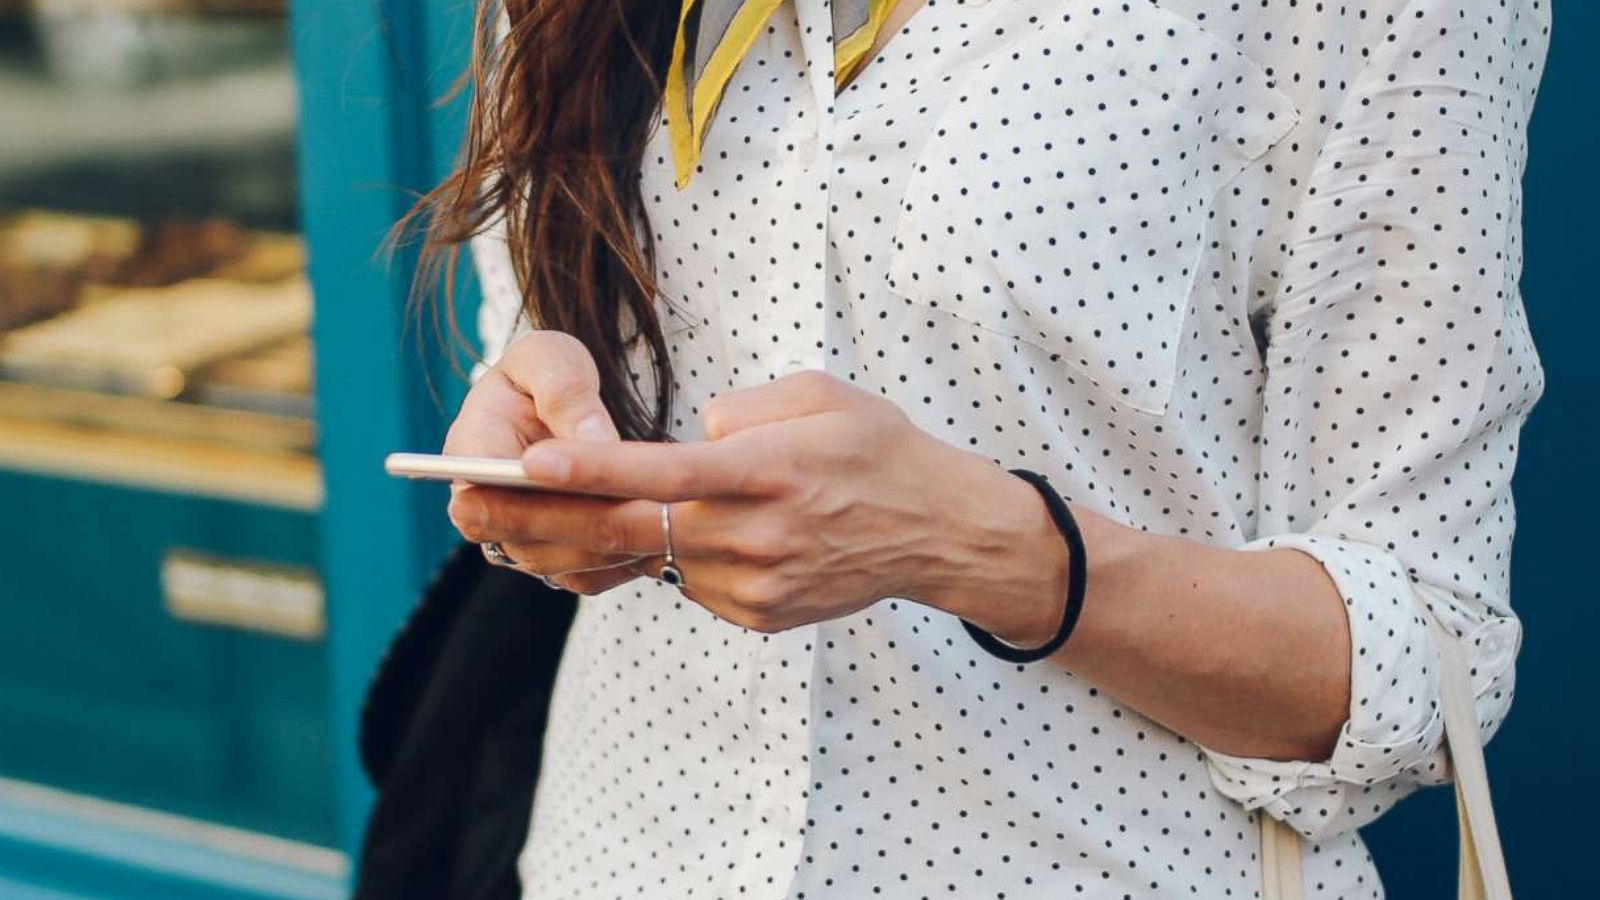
[161, 648]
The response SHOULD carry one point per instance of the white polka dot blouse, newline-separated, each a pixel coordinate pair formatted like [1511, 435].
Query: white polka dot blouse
[1241, 272]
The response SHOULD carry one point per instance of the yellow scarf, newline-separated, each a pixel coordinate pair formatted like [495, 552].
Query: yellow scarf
[723, 32]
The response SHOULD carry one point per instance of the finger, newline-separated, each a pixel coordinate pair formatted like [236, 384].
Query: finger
[715, 586]
[581, 573]
[590, 583]
[602, 525]
[655, 471]
[549, 559]
[559, 374]
[789, 397]
[496, 419]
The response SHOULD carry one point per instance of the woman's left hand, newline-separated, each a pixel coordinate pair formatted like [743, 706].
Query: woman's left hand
[810, 499]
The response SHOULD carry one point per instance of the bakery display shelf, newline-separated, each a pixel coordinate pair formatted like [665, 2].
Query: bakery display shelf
[275, 379]
[176, 330]
[204, 467]
[94, 412]
[155, 342]
[181, 7]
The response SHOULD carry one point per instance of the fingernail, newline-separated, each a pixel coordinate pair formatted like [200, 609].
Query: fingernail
[593, 428]
[547, 464]
[468, 511]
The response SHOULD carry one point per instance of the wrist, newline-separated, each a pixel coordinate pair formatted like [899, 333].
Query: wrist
[1003, 564]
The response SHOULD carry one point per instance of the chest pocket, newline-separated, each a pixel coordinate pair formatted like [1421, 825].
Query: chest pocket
[1064, 194]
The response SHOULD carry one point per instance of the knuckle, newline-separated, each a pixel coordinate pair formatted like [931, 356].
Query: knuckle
[763, 594]
[717, 417]
[525, 353]
[541, 344]
[814, 381]
[560, 389]
[756, 623]
[890, 420]
[782, 473]
[824, 390]
[609, 536]
[736, 612]
[876, 436]
[474, 435]
[763, 546]
[567, 345]
[579, 583]
[763, 621]
[472, 529]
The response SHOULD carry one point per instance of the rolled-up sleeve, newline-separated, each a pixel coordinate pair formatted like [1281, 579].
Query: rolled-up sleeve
[1400, 370]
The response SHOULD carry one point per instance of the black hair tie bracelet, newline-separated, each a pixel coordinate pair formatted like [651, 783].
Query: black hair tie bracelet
[1077, 574]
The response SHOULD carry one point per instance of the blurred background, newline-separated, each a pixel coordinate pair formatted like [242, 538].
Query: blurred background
[204, 357]
[176, 713]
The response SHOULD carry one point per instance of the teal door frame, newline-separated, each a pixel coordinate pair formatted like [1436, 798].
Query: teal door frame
[373, 134]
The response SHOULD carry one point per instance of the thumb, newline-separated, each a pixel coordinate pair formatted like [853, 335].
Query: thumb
[558, 373]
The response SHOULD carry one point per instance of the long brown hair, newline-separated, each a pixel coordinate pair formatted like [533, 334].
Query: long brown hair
[559, 114]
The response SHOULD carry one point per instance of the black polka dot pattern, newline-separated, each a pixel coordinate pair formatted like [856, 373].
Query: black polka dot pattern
[1241, 272]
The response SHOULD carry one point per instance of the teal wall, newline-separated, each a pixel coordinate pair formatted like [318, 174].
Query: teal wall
[1546, 790]
[107, 694]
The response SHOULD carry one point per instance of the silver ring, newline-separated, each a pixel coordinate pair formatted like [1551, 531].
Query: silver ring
[670, 573]
[497, 554]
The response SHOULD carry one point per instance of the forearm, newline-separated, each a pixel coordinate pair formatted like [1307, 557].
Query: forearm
[1246, 652]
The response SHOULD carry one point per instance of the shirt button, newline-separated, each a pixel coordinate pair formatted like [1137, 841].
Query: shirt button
[1492, 643]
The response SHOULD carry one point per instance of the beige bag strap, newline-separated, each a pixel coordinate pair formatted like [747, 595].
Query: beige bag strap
[1483, 865]
[1281, 878]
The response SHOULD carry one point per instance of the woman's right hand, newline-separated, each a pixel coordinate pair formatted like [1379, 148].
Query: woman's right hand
[544, 385]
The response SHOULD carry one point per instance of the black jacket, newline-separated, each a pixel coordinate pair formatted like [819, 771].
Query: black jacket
[450, 733]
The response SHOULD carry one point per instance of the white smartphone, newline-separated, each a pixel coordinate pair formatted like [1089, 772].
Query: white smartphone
[471, 469]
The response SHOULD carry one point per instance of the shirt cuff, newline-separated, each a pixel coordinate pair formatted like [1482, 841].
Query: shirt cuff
[1395, 720]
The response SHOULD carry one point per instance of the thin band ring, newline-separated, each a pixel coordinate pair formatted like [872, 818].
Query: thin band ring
[670, 573]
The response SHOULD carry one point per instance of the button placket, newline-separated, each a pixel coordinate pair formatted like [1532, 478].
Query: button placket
[773, 327]
[801, 277]
[786, 338]
[789, 335]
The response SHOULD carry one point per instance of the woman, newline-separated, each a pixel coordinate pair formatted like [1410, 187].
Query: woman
[1239, 280]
